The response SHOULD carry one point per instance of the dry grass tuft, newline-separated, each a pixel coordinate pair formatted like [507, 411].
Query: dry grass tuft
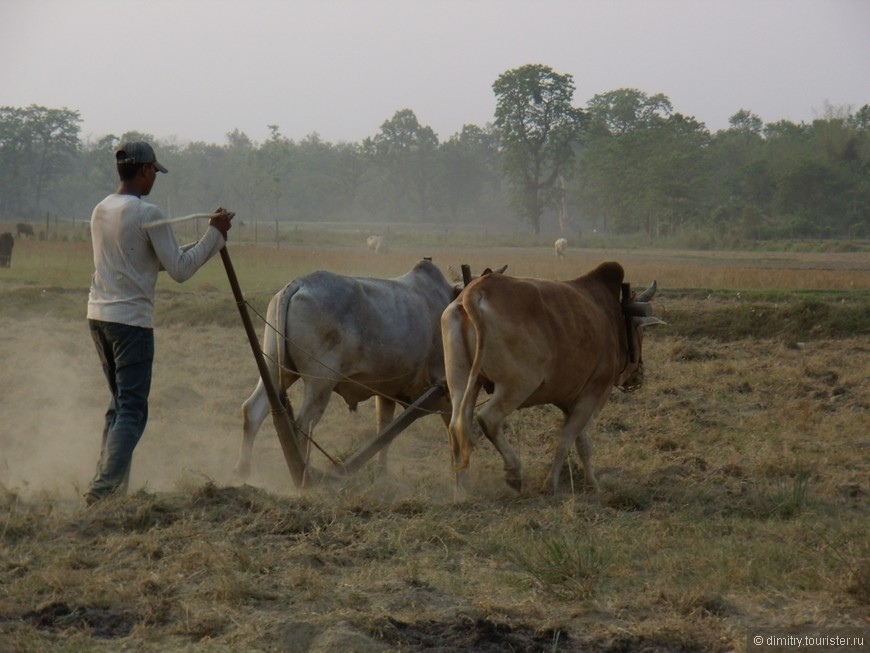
[859, 582]
[563, 564]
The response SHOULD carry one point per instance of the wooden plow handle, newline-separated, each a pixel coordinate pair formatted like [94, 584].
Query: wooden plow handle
[281, 414]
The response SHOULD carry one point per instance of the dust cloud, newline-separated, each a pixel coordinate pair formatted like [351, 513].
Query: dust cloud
[54, 397]
[51, 409]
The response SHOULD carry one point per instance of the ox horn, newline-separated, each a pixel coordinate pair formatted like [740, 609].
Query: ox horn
[650, 320]
[647, 294]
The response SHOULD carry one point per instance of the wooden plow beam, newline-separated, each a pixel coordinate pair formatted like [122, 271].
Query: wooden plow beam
[424, 405]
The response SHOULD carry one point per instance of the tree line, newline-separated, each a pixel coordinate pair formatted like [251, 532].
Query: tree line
[626, 163]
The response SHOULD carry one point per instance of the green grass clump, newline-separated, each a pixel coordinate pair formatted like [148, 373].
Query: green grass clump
[567, 565]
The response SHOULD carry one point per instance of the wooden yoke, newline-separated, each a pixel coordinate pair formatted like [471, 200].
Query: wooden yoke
[629, 327]
[633, 307]
[466, 274]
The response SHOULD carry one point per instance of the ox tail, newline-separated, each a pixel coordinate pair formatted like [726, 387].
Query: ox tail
[282, 355]
[466, 407]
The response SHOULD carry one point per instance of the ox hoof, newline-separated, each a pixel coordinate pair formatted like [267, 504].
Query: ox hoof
[460, 488]
[243, 471]
[515, 482]
[461, 495]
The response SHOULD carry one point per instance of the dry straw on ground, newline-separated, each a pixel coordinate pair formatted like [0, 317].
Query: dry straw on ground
[734, 484]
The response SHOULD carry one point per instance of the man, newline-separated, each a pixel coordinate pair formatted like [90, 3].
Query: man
[127, 256]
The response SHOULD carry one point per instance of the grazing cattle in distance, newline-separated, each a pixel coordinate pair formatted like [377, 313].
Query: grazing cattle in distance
[377, 244]
[561, 246]
[23, 229]
[7, 242]
[355, 336]
[535, 342]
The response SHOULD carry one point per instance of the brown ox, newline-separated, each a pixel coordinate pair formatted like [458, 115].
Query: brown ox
[535, 342]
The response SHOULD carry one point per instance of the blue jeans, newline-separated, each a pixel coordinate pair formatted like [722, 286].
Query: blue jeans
[127, 354]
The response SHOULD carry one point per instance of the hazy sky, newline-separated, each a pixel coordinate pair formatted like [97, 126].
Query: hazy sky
[195, 70]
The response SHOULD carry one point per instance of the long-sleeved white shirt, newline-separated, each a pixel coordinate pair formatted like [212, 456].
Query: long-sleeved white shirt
[127, 258]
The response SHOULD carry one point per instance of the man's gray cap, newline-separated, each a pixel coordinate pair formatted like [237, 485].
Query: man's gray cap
[137, 152]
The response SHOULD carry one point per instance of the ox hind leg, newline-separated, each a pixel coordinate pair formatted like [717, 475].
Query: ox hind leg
[255, 409]
[384, 409]
[315, 399]
[575, 432]
[491, 418]
[459, 431]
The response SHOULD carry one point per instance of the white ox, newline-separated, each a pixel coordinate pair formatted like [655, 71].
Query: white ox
[561, 246]
[355, 336]
[535, 342]
[377, 244]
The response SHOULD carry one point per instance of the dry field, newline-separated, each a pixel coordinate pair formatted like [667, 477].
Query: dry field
[734, 483]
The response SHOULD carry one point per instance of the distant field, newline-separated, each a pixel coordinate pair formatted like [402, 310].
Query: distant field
[68, 264]
[700, 293]
[734, 483]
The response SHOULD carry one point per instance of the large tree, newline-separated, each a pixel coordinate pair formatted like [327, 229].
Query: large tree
[538, 128]
[627, 110]
[36, 146]
[469, 171]
[406, 152]
[641, 169]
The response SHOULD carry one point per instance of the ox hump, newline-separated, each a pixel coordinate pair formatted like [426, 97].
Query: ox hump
[426, 269]
[609, 273]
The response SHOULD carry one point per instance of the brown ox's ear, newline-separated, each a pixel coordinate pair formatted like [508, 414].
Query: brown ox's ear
[462, 280]
[490, 270]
